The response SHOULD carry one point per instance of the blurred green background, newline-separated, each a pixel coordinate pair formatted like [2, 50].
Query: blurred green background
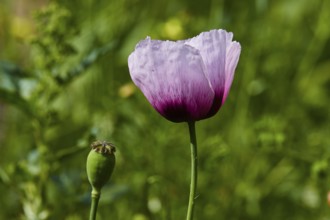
[64, 82]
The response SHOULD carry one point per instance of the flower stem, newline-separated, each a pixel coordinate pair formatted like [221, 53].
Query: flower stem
[194, 165]
[95, 201]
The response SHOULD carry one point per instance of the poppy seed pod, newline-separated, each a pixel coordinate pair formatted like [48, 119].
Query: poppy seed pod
[100, 164]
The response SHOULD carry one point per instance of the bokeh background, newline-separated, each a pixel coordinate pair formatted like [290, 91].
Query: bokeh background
[64, 83]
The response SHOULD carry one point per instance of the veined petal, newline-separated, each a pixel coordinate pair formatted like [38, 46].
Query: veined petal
[212, 46]
[233, 52]
[172, 76]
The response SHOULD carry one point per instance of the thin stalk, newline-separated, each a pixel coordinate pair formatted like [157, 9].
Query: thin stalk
[95, 202]
[194, 166]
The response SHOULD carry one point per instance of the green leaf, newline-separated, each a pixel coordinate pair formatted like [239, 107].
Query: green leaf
[86, 62]
[15, 99]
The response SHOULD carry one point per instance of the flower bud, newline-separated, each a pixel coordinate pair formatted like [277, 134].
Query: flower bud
[100, 164]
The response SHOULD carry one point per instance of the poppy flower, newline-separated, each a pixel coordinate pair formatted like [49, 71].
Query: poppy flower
[186, 80]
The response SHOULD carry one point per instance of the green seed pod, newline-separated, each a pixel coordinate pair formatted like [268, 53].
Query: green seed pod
[100, 164]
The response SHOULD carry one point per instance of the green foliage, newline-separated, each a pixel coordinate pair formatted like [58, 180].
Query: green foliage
[55, 28]
[64, 82]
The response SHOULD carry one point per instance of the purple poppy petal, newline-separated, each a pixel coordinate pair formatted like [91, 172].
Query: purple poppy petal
[172, 77]
[233, 52]
[212, 46]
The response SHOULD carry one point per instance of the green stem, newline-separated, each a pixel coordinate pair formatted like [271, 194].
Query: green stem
[95, 201]
[194, 165]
